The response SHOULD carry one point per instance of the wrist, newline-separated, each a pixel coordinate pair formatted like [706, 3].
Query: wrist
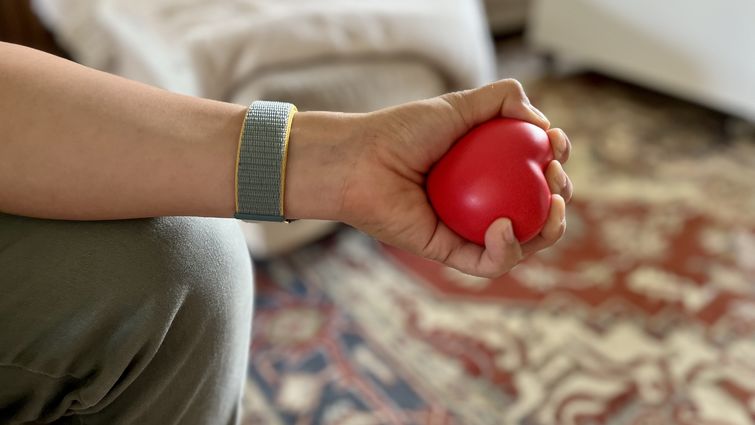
[321, 154]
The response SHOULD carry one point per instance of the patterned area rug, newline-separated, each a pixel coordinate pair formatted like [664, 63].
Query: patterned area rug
[644, 314]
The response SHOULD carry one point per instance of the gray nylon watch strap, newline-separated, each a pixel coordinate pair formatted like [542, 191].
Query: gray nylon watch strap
[261, 167]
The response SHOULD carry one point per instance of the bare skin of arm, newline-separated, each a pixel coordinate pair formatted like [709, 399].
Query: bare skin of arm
[80, 144]
[83, 144]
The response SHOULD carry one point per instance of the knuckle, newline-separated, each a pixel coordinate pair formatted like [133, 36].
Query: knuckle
[513, 91]
[512, 84]
[514, 88]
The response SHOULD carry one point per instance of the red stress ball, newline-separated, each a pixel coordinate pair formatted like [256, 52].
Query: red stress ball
[496, 170]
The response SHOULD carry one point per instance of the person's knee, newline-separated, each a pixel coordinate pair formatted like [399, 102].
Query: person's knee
[204, 279]
[191, 314]
[103, 299]
[173, 275]
[198, 265]
[148, 270]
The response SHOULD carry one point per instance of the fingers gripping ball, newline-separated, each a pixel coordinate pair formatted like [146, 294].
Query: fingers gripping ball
[496, 170]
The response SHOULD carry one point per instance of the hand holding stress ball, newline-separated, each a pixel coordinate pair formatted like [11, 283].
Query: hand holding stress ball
[496, 170]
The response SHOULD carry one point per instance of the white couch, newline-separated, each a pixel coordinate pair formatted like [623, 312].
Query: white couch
[699, 50]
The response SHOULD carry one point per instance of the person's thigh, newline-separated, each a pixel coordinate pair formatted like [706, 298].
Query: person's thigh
[137, 321]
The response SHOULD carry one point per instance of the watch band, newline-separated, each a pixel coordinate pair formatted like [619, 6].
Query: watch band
[261, 161]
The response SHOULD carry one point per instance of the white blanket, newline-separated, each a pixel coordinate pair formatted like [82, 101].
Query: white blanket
[215, 48]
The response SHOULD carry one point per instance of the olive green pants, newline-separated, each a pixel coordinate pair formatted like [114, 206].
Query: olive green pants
[123, 322]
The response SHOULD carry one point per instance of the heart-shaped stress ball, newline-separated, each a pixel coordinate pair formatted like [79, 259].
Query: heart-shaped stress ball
[496, 170]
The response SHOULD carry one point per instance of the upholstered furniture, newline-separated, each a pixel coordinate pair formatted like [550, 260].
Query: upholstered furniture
[703, 51]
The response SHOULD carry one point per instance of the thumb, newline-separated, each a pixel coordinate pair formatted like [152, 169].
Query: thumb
[504, 98]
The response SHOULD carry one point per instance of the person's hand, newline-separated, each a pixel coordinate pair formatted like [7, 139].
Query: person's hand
[373, 168]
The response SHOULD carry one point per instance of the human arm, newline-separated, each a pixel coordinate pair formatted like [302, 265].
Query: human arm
[76, 143]
[81, 144]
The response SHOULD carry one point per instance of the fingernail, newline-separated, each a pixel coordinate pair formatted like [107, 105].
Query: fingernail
[508, 234]
[562, 179]
[564, 143]
[561, 148]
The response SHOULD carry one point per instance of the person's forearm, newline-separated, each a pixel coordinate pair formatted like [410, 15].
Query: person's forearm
[76, 143]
